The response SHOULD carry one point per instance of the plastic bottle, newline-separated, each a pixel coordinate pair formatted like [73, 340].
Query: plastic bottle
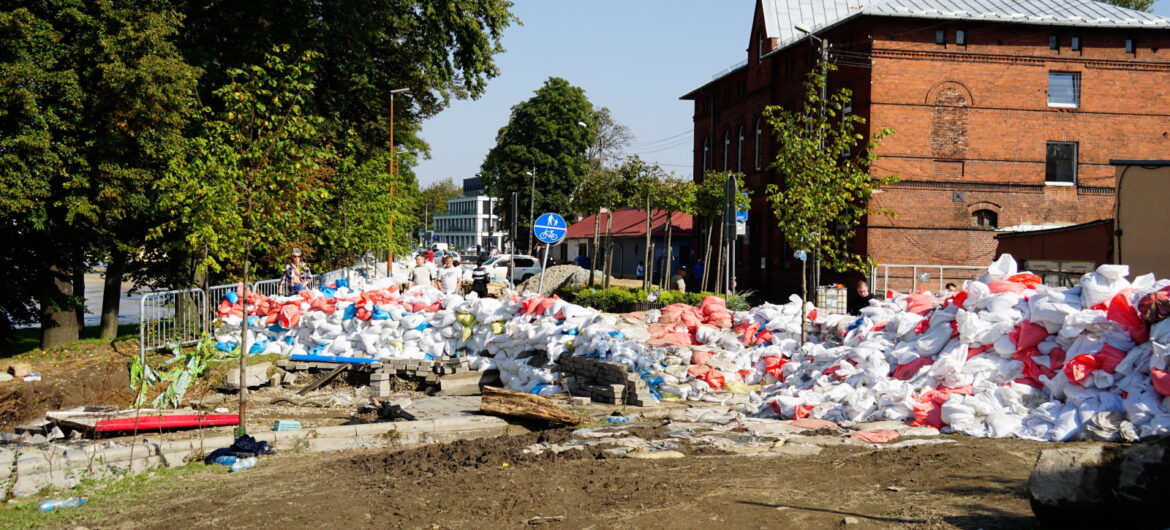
[246, 463]
[53, 504]
[225, 460]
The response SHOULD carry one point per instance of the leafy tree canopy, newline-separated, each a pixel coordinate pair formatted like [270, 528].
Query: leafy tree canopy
[542, 147]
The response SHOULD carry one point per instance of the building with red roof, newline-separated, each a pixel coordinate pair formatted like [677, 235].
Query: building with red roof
[628, 230]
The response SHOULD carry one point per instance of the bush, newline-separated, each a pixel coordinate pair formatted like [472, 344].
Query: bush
[612, 300]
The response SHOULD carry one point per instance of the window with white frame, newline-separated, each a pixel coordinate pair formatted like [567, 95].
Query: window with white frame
[1064, 89]
[726, 148]
[759, 133]
[1060, 166]
[739, 151]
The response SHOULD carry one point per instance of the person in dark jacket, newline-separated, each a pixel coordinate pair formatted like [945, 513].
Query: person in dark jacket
[859, 298]
[479, 279]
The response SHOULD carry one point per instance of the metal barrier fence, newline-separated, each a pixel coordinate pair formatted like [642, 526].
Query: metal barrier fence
[179, 317]
[171, 318]
[909, 278]
[267, 287]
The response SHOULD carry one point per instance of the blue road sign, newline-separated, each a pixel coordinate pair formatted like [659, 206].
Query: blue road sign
[550, 228]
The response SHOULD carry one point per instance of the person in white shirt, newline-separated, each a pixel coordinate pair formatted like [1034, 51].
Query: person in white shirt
[450, 276]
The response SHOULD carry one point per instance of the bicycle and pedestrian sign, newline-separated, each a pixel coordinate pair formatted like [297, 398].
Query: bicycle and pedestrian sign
[550, 228]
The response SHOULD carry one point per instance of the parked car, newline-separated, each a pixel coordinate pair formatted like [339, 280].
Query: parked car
[526, 266]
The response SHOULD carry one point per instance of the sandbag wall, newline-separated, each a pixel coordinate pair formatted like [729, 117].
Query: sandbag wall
[1006, 356]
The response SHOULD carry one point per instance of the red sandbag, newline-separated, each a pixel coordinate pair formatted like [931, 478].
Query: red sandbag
[922, 326]
[960, 298]
[1027, 279]
[1109, 357]
[976, 350]
[920, 303]
[289, 316]
[1004, 286]
[747, 332]
[801, 413]
[764, 337]
[700, 356]
[1056, 358]
[879, 436]
[1123, 313]
[774, 364]
[907, 370]
[1161, 379]
[1079, 368]
[1155, 307]
[1028, 335]
[812, 423]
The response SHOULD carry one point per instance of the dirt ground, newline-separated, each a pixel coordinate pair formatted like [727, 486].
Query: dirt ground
[971, 483]
[86, 372]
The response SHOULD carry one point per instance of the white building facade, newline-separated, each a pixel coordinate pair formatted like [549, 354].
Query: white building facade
[470, 220]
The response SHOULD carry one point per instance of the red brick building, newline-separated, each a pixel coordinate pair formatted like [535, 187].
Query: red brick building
[1005, 114]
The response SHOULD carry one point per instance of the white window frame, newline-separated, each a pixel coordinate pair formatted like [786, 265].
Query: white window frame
[1076, 77]
[726, 148]
[739, 151]
[759, 133]
[1076, 158]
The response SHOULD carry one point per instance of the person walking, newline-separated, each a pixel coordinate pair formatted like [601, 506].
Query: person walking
[479, 279]
[297, 276]
[679, 280]
[450, 276]
[640, 271]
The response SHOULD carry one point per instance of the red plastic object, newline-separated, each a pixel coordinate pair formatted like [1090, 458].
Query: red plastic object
[176, 421]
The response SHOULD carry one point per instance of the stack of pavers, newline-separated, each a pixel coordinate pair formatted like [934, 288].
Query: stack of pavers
[604, 382]
[428, 371]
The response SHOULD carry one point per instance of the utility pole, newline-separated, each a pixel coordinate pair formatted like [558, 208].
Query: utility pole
[531, 207]
[393, 171]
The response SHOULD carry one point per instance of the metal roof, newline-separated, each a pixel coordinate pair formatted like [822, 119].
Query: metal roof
[781, 16]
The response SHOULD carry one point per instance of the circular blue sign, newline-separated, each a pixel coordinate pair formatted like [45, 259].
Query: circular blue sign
[550, 228]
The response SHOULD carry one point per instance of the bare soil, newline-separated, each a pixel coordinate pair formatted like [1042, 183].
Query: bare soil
[492, 483]
[82, 373]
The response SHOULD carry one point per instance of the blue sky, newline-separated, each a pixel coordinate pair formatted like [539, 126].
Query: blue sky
[634, 56]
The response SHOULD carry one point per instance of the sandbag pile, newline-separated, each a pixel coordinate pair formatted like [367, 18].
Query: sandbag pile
[1007, 356]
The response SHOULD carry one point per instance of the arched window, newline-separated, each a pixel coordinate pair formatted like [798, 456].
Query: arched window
[759, 133]
[726, 147]
[739, 151]
[706, 152]
[985, 219]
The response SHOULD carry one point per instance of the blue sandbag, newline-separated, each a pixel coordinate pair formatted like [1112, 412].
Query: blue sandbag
[350, 312]
[331, 359]
[327, 292]
[225, 346]
[380, 314]
[257, 347]
[275, 328]
[231, 296]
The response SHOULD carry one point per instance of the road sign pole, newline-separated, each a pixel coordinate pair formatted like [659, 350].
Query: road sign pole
[543, 266]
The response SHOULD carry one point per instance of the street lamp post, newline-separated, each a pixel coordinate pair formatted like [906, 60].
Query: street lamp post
[392, 170]
[531, 207]
[823, 44]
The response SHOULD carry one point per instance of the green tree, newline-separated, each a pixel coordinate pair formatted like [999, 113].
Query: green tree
[709, 204]
[676, 195]
[439, 50]
[827, 186]
[256, 163]
[100, 107]
[1140, 5]
[612, 139]
[600, 191]
[540, 154]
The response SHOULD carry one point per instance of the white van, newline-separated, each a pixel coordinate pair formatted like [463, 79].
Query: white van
[439, 246]
[526, 266]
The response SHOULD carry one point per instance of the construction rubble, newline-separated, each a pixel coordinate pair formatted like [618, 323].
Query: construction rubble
[1004, 357]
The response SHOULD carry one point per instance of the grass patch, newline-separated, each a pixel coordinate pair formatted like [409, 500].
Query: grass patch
[102, 497]
[28, 340]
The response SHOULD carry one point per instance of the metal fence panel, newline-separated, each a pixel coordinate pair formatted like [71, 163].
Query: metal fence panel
[267, 287]
[909, 278]
[171, 318]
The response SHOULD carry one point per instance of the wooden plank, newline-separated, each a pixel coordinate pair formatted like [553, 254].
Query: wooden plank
[501, 402]
[323, 379]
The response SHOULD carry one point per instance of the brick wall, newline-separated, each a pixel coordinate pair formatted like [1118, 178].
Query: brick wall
[971, 130]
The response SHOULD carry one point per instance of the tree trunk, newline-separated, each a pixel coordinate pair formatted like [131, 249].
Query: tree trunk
[717, 286]
[669, 251]
[244, 346]
[803, 294]
[512, 404]
[596, 245]
[706, 256]
[112, 295]
[58, 318]
[648, 260]
[608, 249]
